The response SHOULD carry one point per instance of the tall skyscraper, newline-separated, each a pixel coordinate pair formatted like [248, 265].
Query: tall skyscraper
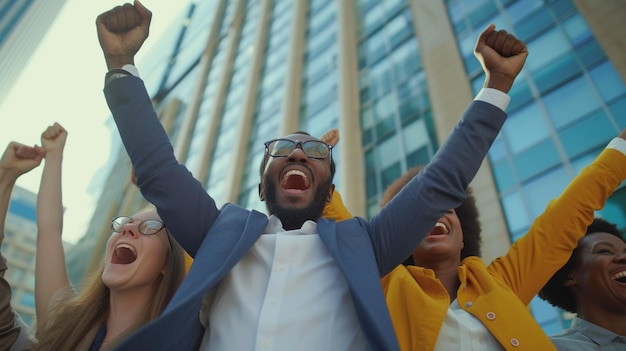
[394, 76]
[23, 24]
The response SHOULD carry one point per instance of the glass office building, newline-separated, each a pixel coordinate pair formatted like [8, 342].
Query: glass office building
[18, 248]
[23, 23]
[394, 76]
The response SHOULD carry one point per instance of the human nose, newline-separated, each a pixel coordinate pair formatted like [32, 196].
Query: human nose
[131, 228]
[621, 258]
[297, 154]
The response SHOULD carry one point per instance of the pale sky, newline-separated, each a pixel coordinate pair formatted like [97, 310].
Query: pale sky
[63, 83]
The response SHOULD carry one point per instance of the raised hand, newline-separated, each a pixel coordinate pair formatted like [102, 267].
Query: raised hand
[53, 139]
[18, 159]
[331, 137]
[502, 57]
[122, 31]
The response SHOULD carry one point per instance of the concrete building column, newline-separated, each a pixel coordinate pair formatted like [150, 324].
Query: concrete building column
[449, 91]
[352, 180]
[606, 21]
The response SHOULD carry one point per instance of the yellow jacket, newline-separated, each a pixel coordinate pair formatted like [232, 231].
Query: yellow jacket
[498, 294]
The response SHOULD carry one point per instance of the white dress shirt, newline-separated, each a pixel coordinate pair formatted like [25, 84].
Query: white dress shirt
[461, 331]
[287, 293]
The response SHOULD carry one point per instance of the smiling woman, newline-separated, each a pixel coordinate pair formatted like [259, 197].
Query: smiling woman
[141, 270]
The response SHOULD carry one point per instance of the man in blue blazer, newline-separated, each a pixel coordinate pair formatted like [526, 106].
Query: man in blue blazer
[293, 280]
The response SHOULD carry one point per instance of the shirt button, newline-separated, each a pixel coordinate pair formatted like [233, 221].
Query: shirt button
[491, 316]
[515, 342]
[468, 304]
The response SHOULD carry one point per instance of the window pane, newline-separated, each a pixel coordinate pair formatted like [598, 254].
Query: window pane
[571, 102]
[525, 128]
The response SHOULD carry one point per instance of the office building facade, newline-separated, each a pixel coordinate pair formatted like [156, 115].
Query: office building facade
[18, 248]
[23, 24]
[394, 76]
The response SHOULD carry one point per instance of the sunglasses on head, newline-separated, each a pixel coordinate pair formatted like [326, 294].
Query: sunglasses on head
[311, 148]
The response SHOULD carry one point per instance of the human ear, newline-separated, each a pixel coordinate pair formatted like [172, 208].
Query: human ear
[570, 281]
[329, 197]
[261, 192]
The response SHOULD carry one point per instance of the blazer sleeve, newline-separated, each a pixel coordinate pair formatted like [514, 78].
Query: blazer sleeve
[534, 258]
[402, 224]
[183, 204]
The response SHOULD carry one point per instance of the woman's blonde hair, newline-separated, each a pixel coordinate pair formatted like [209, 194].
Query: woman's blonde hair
[70, 320]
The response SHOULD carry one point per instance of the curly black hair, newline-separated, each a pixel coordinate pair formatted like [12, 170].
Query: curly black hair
[467, 213]
[555, 291]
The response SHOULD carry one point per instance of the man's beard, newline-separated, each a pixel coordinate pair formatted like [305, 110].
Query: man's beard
[294, 218]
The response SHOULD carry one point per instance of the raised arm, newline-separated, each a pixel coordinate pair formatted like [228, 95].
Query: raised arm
[50, 270]
[404, 221]
[16, 160]
[189, 211]
[554, 234]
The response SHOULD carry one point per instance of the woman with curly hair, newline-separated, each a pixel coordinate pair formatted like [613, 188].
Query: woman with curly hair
[444, 297]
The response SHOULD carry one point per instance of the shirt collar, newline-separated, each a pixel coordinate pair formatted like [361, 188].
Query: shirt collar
[594, 332]
[274, 226]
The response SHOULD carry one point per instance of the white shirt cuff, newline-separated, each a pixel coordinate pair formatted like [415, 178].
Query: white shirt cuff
[131, 69]
[495, 97]
[618, 144]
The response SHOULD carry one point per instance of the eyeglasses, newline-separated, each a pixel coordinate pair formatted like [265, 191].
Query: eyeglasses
[311, 148]
[145, 227]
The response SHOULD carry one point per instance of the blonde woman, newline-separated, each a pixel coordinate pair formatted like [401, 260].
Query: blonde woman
[142, 268]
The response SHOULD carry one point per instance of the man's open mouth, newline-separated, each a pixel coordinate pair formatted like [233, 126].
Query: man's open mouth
[295, 180]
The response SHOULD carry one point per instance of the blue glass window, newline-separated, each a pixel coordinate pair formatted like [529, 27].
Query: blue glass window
[589, 133]
[547, 48]
[515, 211]
[607, 81]
[618, 110]
[570, 102]
[536, 159]
[524, 128]
[503, 174]
[544, 189]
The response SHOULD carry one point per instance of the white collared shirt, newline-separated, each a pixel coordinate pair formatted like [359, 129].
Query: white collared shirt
[461, 331]
[286, 293]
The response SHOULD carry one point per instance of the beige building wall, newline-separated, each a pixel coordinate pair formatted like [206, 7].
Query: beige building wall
[352, 181]
[606, 20]
[449, 92]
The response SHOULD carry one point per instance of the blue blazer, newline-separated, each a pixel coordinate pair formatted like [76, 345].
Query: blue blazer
[218, 238]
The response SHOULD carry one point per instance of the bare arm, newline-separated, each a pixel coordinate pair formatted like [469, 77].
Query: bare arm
[50, 270]
[16, 160]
